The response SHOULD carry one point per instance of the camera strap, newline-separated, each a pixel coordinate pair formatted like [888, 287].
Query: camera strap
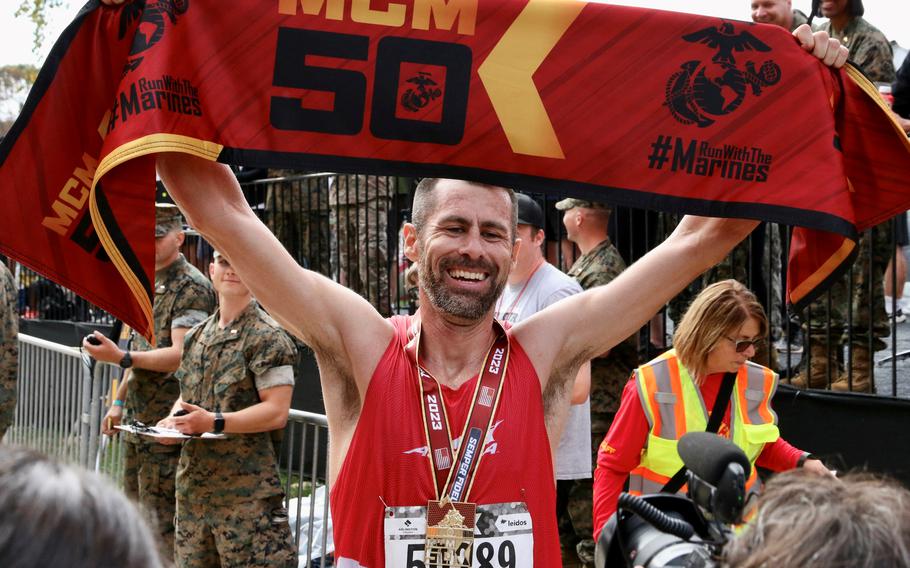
[714, 421]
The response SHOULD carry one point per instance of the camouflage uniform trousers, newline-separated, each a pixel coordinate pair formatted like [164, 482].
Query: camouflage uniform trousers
[361, 256]
[869, 323]
[575, 520]
[579, 517]
[149, 478]
[576, 526]
[298, 215]
[7, 398]
[609, 374]
[236, 535]
[870, 50]
[9, 348]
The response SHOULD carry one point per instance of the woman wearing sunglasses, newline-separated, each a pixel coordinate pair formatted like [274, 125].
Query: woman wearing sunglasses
[677, 393]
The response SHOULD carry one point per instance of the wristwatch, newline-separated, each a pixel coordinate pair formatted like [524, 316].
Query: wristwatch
[219, 423]
[804, 458]
[127, 360]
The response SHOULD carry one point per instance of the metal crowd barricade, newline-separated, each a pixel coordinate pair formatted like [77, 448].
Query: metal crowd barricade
[61, 403]
[304, 467]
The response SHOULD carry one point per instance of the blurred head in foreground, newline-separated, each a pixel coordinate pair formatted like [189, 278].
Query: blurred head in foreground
[811, 521]
[58, 515]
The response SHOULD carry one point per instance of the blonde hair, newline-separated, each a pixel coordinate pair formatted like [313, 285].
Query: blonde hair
[721, 309]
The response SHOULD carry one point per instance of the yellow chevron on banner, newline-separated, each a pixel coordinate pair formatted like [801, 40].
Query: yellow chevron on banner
[507, 75]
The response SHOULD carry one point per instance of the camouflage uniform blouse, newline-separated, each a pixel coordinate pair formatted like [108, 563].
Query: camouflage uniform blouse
[869, 48]
[183, 298]
[609, 374]
[224, 369]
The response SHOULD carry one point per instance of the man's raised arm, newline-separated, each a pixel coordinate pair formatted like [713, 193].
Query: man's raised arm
[585, 325]
[562, 336]
[328, 317]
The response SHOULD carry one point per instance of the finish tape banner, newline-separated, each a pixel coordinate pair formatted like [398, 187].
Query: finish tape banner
[634, 107]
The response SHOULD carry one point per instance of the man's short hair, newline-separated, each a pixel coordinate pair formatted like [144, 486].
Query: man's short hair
[572, 202]
[424, 204]
[808, 520]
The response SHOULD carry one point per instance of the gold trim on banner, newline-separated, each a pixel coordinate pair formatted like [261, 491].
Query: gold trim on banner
[823, 272]
[143, 146]
[870, 89]
[157, 143]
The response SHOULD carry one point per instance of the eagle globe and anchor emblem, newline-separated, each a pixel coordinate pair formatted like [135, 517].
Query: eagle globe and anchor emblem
[700, 91]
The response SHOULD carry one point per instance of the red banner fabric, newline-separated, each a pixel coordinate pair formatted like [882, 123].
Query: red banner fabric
[636, 107]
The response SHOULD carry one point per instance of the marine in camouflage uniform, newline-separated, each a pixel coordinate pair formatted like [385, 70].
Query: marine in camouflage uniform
[871, 52]
[869, 48]
[183, 298]
[229, 495]
[9, 348]
[609, 375]
[298, 214]
[360, 207]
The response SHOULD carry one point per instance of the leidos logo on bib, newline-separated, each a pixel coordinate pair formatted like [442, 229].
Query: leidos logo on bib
[515, 522]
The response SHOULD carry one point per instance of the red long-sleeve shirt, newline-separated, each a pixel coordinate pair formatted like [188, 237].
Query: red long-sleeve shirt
[621, 451]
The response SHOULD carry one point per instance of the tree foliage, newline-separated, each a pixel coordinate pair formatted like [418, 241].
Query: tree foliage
[37, 11]
[15, 79]
[15, 82]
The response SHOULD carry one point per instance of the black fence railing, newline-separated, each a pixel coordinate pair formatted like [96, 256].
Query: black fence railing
[348, 228]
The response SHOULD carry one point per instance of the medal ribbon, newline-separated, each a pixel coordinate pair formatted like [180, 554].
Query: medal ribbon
[455, 478]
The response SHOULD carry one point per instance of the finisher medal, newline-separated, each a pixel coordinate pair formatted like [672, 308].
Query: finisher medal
[450, 534]
[450, 520]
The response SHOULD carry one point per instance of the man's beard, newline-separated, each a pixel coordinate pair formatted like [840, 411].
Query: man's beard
[459, 303]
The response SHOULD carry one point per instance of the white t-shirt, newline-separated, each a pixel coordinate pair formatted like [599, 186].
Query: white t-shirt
[547, 286]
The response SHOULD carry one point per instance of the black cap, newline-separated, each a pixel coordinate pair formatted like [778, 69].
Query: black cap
[529, 212]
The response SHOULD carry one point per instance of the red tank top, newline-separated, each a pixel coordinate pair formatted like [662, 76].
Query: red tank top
[387, 463]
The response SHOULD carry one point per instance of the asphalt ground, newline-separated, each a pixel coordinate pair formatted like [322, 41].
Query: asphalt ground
[892, 374]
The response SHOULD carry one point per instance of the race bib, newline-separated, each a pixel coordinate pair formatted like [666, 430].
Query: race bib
[503, 536]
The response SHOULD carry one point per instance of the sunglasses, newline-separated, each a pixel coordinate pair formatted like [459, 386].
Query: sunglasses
[742, 344]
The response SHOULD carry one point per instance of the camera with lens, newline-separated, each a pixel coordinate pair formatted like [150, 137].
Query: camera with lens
[667, 529]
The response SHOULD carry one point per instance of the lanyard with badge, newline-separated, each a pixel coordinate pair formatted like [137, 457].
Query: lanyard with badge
[450, 518]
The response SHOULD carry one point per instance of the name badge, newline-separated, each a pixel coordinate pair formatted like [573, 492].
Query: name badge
[503, 538]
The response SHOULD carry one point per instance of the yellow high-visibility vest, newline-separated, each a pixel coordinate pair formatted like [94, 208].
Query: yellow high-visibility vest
[673, 406]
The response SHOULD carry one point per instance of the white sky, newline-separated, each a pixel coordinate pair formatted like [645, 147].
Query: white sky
[890, 16]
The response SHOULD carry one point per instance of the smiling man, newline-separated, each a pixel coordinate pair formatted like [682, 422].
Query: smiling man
[457, 422]
[777, 13]
[388, 392]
